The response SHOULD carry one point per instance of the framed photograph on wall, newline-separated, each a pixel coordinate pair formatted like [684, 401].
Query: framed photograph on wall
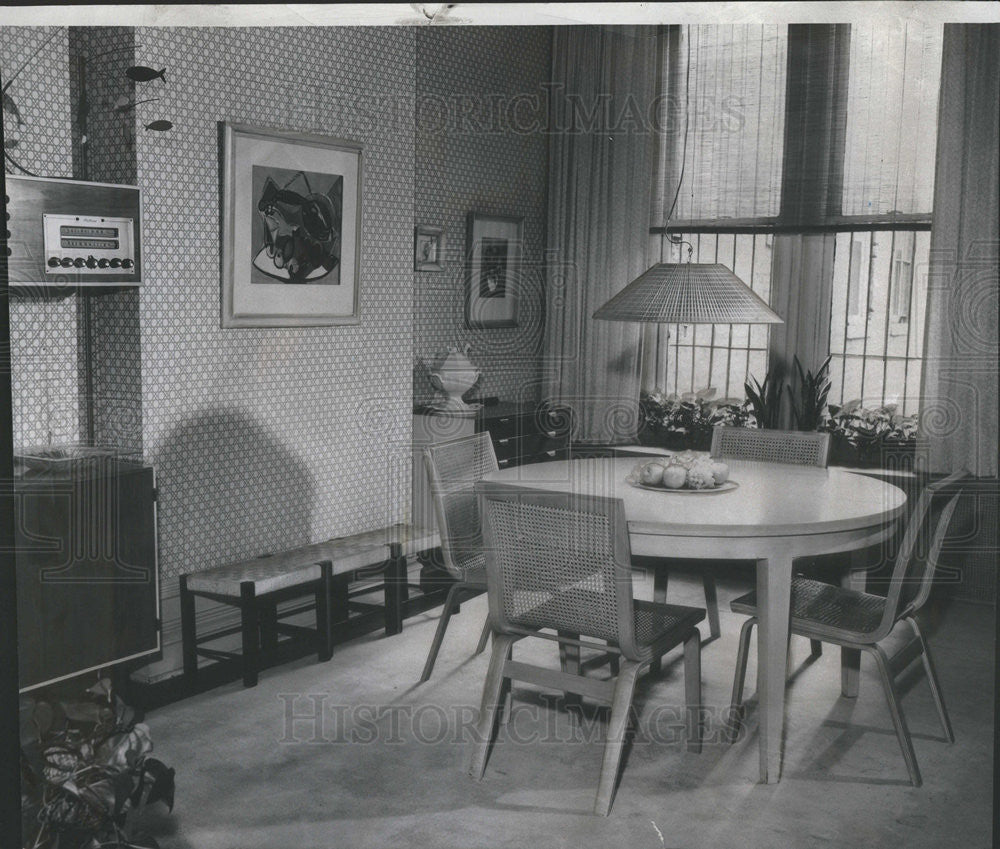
[291, 228]
[493, 247]
[428, 248]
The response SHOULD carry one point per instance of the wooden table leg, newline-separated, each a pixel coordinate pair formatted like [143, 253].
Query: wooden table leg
[774, 584]
[395, 582]
[850, 659]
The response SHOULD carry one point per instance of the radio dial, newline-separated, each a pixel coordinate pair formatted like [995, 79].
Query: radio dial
[115, 262]
[66, 262]
[102, 263]
[78, 262]
[91, 262]
[126, 263]
[53, 262]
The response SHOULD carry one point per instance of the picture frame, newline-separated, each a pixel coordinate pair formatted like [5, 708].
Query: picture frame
[291, 228]
[428, 248]
[494, 248]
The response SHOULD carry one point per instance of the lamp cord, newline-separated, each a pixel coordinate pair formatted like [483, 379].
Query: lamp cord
[687, 124]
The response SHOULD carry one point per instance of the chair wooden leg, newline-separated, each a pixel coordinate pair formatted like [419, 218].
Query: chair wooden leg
[711, 603]
[450, 604]
[932, 680]
[492, 691]
[395, 581]
[902, 732]
[250, 630]
[739, 679]
[617, 727]
[815, 648]
[692, 690]
[484, 637]
[661, 578]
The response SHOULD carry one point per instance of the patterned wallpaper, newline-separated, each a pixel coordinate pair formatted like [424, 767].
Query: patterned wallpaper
[43, 328]
[268, 438]
[477, 149]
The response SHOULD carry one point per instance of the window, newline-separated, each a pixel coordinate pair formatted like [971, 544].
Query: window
[864, 101]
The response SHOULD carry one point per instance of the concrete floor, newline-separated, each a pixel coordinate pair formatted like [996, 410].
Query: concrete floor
[384, 764]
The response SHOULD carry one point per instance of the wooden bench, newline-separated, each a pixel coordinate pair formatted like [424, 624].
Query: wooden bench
[322, 570]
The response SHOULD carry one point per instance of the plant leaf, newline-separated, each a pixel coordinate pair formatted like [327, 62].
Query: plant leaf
[163, 783]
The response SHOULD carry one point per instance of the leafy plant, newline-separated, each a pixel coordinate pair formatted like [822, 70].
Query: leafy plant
[765, 399]
[693, 414]
[868, 427]
[86, 775]
[809, 400]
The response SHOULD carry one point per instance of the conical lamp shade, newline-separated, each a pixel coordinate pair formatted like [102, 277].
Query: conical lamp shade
[688, 293]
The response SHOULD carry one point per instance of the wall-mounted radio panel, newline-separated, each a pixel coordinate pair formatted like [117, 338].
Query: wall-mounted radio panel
[69, 233]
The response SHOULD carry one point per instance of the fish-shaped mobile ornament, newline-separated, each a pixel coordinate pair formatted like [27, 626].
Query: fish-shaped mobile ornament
[144, 74]
[159, 126]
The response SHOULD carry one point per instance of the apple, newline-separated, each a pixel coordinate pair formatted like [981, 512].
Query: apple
[651, 474]
[674, 477]
[720, 471]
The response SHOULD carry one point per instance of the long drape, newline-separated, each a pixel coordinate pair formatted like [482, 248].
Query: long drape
[959, 407]
[603, 116]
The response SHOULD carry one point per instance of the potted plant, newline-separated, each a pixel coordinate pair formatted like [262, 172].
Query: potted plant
[86, 774]
[871, 437]
[809, 407]
[686, 421]
[764, 399]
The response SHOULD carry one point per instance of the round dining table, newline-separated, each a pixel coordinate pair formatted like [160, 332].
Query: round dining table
[774, 514]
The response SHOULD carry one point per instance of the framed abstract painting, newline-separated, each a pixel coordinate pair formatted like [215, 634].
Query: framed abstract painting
[493, 248]
[291, 228]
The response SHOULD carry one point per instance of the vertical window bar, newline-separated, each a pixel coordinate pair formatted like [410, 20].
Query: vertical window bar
[711, 344]
[909, 321]
[868, 304]
[847, 315]
[888, 311]
[729, 344]
[753, 268]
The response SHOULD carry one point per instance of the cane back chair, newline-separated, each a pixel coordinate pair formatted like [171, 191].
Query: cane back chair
[453, 468]
[862, 621]
[560, 562]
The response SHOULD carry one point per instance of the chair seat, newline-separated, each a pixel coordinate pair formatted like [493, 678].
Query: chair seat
[826, 608]
[655, 622]
[474, 569]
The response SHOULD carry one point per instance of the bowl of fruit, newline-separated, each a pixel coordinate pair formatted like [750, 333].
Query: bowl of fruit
[688, 472]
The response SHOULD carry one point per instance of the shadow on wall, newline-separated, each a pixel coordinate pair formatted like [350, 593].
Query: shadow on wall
[229, 490]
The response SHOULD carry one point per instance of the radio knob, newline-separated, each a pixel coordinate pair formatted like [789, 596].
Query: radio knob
[91, 262]
[115, 262]
[102, 263]
[66, 262]
[126, 263]
[78, 262]
[53, 262]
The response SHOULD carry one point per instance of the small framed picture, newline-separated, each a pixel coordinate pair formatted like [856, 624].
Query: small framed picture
[493, 248]
[428, 248]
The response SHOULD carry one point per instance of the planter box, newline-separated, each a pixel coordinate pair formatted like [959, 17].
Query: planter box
[893, 455]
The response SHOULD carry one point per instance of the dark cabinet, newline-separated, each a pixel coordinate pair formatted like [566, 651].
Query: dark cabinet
[87, 583]
[526, 433]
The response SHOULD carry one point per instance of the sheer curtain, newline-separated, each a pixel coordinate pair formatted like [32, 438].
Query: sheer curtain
[600, 161]
[960, 371]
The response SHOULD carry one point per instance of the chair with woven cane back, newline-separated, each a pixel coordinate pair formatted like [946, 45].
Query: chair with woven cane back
[453, 468]
[862, 621]
[740, 443]
[559, 564]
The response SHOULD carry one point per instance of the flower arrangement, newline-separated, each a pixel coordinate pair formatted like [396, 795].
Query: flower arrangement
[86, 775]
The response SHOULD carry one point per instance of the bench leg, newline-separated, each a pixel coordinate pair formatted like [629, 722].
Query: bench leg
[189, 637]
[250, 627]
[324, 629]
[395, 585]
